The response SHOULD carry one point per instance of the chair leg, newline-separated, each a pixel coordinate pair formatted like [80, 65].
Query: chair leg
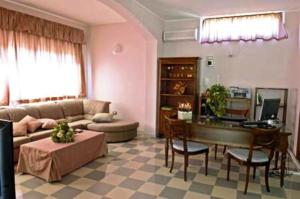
[228, 166]
[224, 149]
[166, 152]
[206, 162]
[172, 162]
[276, 159]
[254, 172]
[247, 179]
[186, 159]
[216, 149]
[267, 177]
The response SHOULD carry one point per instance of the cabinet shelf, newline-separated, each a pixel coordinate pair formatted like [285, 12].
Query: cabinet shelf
[174, 95]
[178, 79]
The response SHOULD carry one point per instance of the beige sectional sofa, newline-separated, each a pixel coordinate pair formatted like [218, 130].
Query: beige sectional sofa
[78, 113]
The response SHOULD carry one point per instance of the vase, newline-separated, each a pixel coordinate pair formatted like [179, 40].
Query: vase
[185, 115]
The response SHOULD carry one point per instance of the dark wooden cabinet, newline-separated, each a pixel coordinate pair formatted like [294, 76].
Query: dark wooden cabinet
[178, 82]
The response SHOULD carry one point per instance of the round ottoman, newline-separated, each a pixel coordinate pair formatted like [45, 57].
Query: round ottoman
[116, 131]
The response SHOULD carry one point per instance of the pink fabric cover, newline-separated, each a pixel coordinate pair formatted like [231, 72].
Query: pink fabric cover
[51, 161]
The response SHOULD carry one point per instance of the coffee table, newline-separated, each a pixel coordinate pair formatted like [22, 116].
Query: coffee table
[50, 161]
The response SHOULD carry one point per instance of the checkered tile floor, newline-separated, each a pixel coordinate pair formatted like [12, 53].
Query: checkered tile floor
[136, 170]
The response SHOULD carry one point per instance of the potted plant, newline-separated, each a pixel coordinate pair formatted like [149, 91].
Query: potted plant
[185, 111]
[62, 133]
[216, 99]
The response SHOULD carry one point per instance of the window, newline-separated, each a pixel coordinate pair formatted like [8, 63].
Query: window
[36, 67]
[39, 59]
[245, 28]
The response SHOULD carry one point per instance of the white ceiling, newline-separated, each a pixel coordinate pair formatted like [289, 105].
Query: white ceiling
[91, 12]
[178, 9]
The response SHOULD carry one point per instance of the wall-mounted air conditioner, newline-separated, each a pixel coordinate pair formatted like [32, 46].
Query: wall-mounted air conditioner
[179, 35]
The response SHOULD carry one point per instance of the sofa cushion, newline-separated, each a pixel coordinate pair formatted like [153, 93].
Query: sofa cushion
[72, 107]
[4, 114]
[82, 124]
[116, 125]
[16, 114]
[92, 107]
[32, 110]
[75, 118]
[20, 140]
[51, 110]
[40, 135]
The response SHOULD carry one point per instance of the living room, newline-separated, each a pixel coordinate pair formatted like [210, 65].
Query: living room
[120, 65]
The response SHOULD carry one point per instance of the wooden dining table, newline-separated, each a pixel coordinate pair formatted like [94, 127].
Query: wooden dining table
[232, 134]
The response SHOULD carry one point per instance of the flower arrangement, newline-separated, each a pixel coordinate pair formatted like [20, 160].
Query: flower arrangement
[62, 133]
[185, 107]
[185, 111]
[216, 99]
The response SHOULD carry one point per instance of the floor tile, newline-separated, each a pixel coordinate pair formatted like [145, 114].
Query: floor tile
[33, 195]
[101, 188]
[159, 179]
[222, 192]
[139, 195]
[173, 193]
[120, 192]
[124, 171]
[133, 184]
[151, 188]
[201, 188]
[82, 183]
[96, 175]
[66, 192]
[33, 183]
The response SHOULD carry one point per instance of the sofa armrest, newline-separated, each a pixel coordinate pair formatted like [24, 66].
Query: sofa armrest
[92, 107]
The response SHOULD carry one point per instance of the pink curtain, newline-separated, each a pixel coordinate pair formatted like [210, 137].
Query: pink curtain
[38, 67]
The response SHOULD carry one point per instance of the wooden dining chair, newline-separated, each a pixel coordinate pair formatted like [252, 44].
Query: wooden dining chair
[178, 133]
[252, 157]
[239, 112]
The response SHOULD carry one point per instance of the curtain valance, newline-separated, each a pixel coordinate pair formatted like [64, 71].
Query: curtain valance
[20, 22]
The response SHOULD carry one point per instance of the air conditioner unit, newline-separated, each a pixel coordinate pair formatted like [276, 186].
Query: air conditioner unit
[179, 35]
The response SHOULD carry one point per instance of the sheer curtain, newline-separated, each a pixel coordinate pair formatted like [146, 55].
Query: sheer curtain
[245, 28]
[6, 52]
[36, 68]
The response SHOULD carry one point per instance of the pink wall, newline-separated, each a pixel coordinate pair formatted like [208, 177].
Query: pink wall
[120, 78]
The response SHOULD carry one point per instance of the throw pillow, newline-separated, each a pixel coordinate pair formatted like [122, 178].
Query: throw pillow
[32, 123]
[48, 123]
[19, 129]
[104, 117]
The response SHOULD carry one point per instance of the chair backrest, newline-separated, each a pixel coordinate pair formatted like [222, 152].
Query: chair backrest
[241, 112]
[265, 138]
[177, 129]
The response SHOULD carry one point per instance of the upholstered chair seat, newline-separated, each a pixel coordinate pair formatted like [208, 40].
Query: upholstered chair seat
[242, 154]
[192, 147]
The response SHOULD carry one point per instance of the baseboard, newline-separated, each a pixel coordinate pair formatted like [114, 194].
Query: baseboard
[146, 134]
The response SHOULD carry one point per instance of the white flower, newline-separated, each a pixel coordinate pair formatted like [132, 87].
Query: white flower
[60, 134]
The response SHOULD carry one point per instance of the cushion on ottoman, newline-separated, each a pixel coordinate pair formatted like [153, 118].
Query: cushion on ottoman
[116, 125]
